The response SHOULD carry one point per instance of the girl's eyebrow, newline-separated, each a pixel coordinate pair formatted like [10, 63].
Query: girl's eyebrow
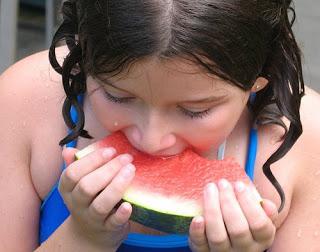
[109, 83]
[208, 99]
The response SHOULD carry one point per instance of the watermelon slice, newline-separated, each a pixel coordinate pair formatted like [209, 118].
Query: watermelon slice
[167, 192]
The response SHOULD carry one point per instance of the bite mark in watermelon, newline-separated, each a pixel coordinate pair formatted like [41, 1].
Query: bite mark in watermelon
[167, 192]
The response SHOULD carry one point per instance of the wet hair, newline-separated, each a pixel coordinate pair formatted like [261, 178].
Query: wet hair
[237, 40]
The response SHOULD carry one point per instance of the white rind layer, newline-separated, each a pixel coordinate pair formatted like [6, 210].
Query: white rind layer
[173, 205]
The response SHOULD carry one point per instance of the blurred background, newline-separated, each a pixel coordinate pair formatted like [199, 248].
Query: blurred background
[27, 26]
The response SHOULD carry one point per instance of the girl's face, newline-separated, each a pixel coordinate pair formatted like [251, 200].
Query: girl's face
[164, 108]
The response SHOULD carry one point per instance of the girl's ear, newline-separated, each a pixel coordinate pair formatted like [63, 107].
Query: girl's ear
[259, 84]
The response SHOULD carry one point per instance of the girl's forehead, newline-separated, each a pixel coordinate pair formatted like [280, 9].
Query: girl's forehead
[174, 73]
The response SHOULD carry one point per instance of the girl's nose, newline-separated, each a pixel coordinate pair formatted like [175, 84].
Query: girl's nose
[152, 136]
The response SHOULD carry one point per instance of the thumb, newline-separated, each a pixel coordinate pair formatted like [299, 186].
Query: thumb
[68, 154]
[270, 209]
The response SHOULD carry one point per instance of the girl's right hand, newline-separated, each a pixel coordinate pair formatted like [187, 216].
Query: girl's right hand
[91, 188]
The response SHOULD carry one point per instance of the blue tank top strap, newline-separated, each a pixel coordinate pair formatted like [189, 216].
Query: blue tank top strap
[54, 212]
[253, 145]
[252, 153]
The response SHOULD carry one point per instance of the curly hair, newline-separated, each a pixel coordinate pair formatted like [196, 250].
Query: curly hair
[237, 40]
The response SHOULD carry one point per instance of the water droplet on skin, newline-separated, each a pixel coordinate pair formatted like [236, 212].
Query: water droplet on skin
[115, 124]
[13, 126]
[24, 123]
[317, 173]
[316, 233]
[299, 233]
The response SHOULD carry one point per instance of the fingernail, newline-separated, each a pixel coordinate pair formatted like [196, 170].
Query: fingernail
[108, 152]
[240, 186]
[223, 184]
[125, 159]
[128, 170]
[211, 189]
[198, 222]
[124, 208]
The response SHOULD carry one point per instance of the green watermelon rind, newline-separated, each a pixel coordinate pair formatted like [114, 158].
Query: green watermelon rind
[175, 217]
[171, 224]
[173, 205]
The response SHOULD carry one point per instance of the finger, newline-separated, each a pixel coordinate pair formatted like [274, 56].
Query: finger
[68, 154]
[102, 205]
[76, 170]
[216, 232]
[235, 221]
[260, 224]
[197, 237]
[270, 209]
[119, 218]
[93, 183]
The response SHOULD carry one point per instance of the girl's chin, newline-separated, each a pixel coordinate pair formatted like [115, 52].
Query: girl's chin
[210, 153]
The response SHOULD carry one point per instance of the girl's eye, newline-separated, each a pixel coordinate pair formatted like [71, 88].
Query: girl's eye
[195, 115]
[186, 112]
[118, 99]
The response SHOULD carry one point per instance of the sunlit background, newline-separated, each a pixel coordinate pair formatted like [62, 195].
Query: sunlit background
[27, 26]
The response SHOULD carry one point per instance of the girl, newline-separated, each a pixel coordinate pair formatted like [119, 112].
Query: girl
[214, 76]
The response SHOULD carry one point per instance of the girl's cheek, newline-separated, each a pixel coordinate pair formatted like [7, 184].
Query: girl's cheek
[112, 117]
[209, 133]
[116, 119]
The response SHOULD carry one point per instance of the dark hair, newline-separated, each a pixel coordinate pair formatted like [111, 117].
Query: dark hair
[235, 40]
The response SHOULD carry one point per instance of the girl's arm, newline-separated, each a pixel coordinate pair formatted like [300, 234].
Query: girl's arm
[66, 238]
[19, 202]
[301, 229]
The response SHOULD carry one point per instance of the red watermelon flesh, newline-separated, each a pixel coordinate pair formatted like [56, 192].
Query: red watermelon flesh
[168, 191]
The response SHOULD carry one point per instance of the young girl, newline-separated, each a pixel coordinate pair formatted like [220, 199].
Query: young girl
[214, 76]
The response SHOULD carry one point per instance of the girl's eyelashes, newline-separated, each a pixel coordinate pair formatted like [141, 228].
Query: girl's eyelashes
[186, 112]
[193, 114]
[118, 99]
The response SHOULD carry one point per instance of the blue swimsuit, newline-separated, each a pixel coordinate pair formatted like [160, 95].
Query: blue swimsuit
[54, 212]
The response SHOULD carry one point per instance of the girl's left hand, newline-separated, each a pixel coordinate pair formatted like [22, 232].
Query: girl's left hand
[234, 220]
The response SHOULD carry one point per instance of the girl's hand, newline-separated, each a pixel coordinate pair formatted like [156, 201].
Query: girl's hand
[234, 220]
[91, 188]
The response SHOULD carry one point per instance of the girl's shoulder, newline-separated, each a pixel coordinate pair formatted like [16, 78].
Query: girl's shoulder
[298, 172]
[308, 145]
[31, 98]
